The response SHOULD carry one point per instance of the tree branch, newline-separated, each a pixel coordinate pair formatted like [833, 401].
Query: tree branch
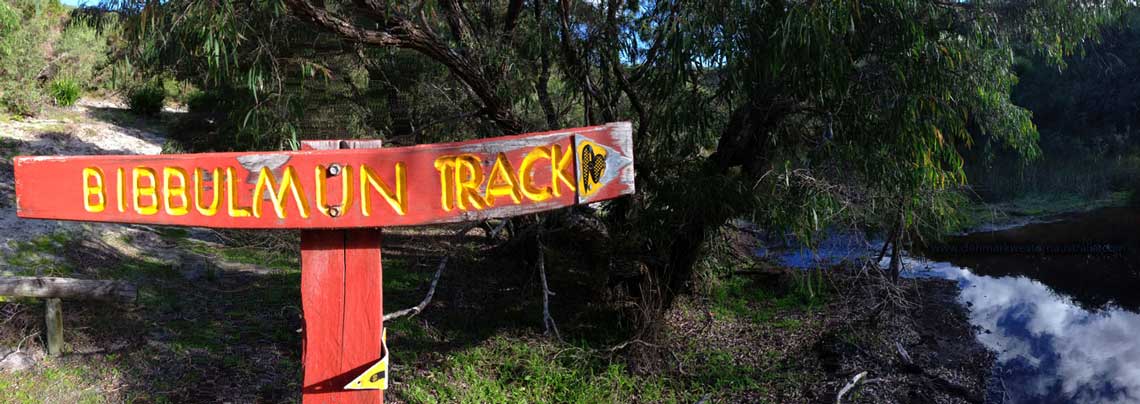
[547, 321]
[513, 11]
[400, 32]
[412, 311]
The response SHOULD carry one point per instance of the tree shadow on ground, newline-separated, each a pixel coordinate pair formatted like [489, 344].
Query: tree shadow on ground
[126, 118]
[203, 333]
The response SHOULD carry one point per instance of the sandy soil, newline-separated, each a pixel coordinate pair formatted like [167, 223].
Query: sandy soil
[80, 130]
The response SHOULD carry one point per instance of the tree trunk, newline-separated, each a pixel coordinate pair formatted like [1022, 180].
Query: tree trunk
[740, 138]
[896, 258]
[686, 249]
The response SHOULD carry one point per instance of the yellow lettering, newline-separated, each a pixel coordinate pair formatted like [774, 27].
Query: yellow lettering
[321, 175]
[558, 168]
[169, 192]
[289, 182]
[213, 208]
[468, 177]
[398, 199]
[446, 167]
[526, 175]
[502, 181]
[120, 190]
[148, 191]
[94, 190]
[231, 196]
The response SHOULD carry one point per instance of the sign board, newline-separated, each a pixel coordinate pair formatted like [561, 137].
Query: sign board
[339, 192]
[322, 189]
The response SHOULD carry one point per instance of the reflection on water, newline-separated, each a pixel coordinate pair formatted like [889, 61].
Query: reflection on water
[1058, 307]
[1049, 348]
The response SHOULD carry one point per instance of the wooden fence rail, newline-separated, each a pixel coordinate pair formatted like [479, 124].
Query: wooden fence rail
[68, 288]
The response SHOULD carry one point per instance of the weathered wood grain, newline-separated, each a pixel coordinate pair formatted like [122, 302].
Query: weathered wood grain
[68, 288]
[322, 189]
[53, 319]
[341, 298]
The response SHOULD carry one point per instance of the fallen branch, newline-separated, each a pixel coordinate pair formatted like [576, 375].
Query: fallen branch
[903, 354]
[427, 299]
[547, 320]
[497, 229]
[848, 387]
[412, 311]
[630, 342]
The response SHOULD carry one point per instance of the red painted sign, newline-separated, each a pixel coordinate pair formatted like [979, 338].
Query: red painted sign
[337, 185]
[353, 188]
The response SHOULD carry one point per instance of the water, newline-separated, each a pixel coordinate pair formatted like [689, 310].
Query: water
[1059, 302]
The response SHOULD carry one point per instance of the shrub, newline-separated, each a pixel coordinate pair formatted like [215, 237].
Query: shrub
[65, 92]
[83, 51]
[147, 99]
[199, 101]
[21, 58]
[173, 147]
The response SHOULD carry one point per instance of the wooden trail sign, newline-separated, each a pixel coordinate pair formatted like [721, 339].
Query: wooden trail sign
[355, 188]
[340, 193]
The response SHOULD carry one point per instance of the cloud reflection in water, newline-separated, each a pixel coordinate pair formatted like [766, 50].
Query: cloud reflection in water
[1049, 348]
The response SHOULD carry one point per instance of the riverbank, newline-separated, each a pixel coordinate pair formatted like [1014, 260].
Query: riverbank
[917, 346]
[924, 351]
[980, 216]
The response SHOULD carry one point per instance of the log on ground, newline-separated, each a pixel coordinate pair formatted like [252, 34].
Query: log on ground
[68, 288]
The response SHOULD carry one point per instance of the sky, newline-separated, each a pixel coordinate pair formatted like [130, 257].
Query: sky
[76, 3]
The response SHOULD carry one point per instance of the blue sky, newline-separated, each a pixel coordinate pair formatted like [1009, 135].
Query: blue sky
[76, 3]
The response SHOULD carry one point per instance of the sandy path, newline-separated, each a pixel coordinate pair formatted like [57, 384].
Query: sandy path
[80, 130]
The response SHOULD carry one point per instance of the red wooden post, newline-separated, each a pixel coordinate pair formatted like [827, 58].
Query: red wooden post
[342, 300]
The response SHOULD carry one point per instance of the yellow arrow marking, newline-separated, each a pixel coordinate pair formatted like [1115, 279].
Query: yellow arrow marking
[376, 377]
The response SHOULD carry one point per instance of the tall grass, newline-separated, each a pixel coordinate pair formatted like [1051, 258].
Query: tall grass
[65, 92]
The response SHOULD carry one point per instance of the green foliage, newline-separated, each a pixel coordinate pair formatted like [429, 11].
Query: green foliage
[25, 29]
[43, 52]
[40, 256]
[65, 92]
[173, 147]
[9, 21]
[799, 116]
[82, 50]
[147, 99]
[504, 370]
[1088, 119]
[201, 101]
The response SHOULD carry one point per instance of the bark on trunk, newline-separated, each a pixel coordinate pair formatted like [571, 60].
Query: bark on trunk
[896, 255]
[740, 145]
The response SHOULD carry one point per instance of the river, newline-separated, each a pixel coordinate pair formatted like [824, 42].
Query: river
[1058, 301]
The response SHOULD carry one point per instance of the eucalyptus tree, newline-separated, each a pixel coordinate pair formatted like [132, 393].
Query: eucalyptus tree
[797, 114]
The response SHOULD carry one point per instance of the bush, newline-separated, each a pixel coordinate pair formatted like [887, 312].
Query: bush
[21, 58]
[173, 147]
[202, 101]
[147, 100]
[83, 51]
[65, 92]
